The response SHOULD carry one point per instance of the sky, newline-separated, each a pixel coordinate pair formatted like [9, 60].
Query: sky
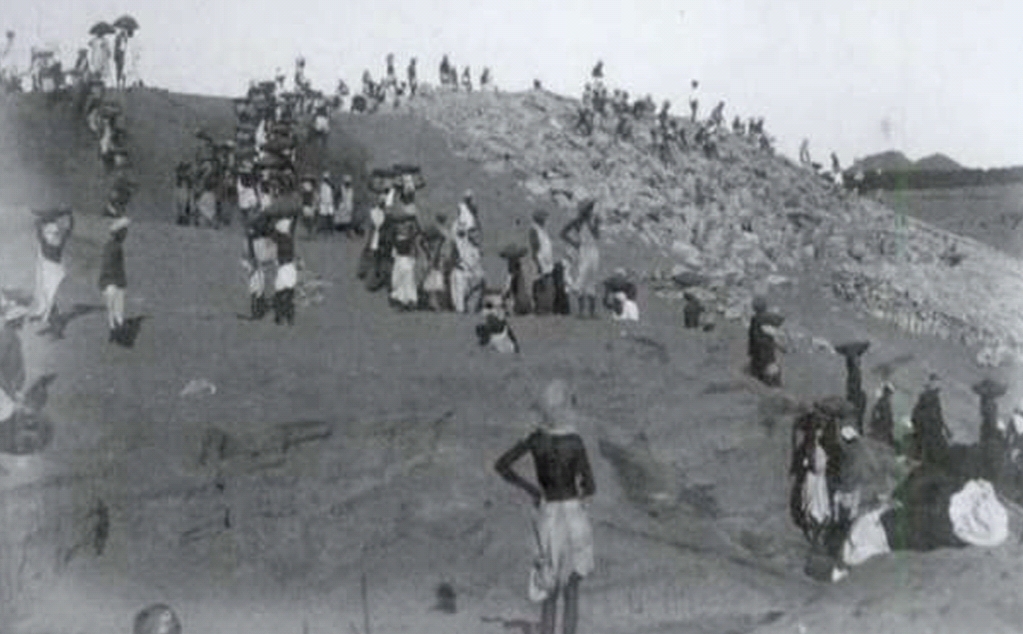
[853, 77]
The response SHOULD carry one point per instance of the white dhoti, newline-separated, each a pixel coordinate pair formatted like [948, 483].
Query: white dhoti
[257, 281]
[434, 281]
[403, 280]
[7, 406]
[49, 275]
[114, 296]
[866, 539]
[287, 277]
[588, 271]
[207, 206]
[565, 541]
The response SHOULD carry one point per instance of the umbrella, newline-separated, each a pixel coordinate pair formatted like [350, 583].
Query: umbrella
[101, 28]
[127, 23]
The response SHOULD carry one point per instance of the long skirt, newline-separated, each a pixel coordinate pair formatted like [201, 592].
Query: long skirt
[49, 275]
[403, 281]
[565, 541]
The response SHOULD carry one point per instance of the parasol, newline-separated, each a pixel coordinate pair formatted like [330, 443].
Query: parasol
[101, 28]
[127, 23]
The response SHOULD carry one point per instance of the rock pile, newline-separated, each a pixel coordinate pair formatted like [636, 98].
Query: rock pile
[741, 221]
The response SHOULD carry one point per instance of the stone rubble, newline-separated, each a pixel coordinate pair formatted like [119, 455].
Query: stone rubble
[744, 221]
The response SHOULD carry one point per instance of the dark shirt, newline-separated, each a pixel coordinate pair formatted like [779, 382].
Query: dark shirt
[761, 344]
[285, 245]
[111, 270]
[562, 467]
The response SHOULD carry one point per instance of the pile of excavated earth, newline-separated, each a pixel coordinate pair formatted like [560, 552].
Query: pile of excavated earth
[743, 221]
[334, 474]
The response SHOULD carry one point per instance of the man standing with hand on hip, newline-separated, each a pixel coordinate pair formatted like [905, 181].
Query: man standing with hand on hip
[564, 535]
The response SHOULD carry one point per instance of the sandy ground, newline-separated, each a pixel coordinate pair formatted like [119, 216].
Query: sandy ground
[690, 457]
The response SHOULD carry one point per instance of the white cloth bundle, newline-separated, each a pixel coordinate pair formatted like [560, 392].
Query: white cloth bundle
[977, 516]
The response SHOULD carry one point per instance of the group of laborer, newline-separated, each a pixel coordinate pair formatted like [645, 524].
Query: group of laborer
[948, 499]
[391, 90]
[24, 430]
[53, 230]
[449, 78]
[96, 63]
[259, 164]
[436, 264]
[388, 91]
[601, 107]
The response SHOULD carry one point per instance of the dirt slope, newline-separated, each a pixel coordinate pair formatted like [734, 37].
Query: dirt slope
[361, 441]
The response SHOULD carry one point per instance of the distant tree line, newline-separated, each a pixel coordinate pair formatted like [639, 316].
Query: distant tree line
[926, 179]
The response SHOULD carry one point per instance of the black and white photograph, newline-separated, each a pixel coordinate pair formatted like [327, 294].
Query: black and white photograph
[511, 317]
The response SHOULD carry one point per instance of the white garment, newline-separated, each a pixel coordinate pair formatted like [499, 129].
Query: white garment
[287, 277]
[247, 198]
[376, 217]
[866, 539]
[326, 199]
[469, 258]
[7, 406]
[257, 281]
[434, 282]
[265, 250]
[816, 501]
[207, 205]
[321, 123]
[630, 311]
[545, 254]
[261, 135]
[588, 265]
[49, 275]
[114, 296]
[502, 342]
[977, 516]
[403, 280]
[106, 142]
[99, 57]
[565, 541]
[346, 206]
